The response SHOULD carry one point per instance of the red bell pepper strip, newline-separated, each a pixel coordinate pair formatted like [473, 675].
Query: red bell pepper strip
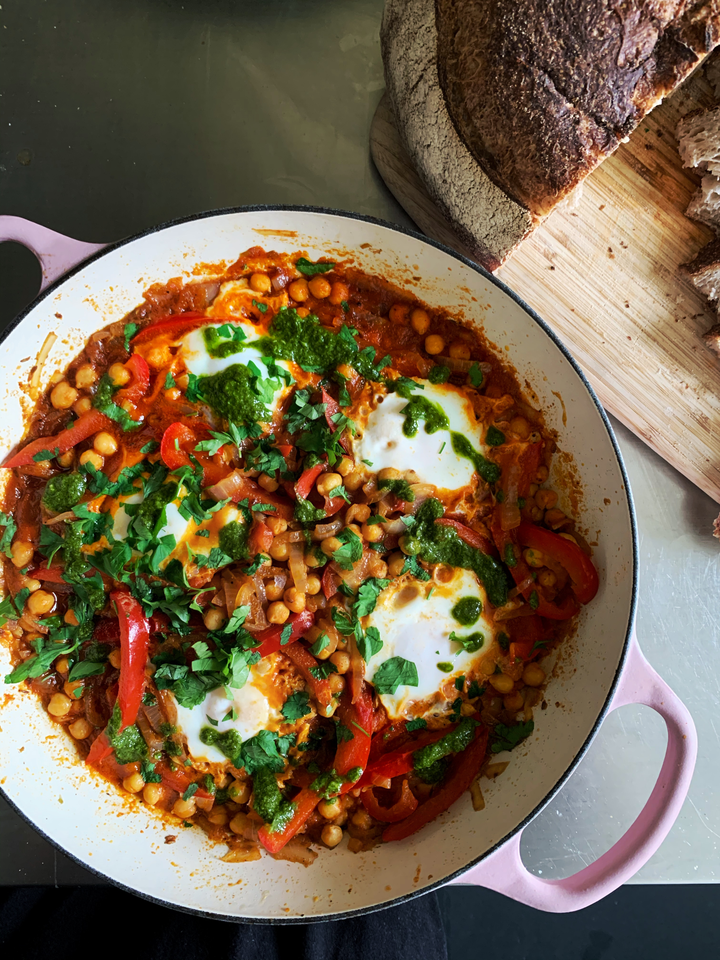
[399, 761]
[471, 537]
[134, 639]
[140, 382]
[84, 427]
[261, 537]
[329, 582]
[269, 640]
[247, 488]
[464, 769]
[402, 808]
[178, 441]
[580, 568]
[304, 485]
[102, 758]
[100, 750]
[108, 630]
[305, 803]
[332, 408]
[175, 326]
[333, 505]
[179, 781]
[305, 662]
[526, 635]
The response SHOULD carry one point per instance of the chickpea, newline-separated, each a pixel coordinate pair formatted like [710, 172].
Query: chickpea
[134, 783]
[329, 808]
[71, 618]
[80, 729]
[277, 525]
[119, 374]
[331, 835]
[319, 287]
[268, 483]
[218, 817]
[294, 599]
[373, 533]
[159, 357]
[341, 661]
[85, 376]
[434, 344]
[546, 578]
[542, 473]
[487, 667]
[240, 823]
[63, 396]
[467, 709]
[273, 590]
[184, 808]
[105, 444]
[420, 320]
[327, 482]
[63, 666]
[298, 291]
[339, 292]
[90, 456]
[536, 514]
[546, 499]
[353, 481]
[115, 658]
[533, 490]
[313, 585]
[502, 683]
[213, 618]
[513, 702]
[59, 705]
[303, 312]
[377, 566]
[534, 558]
[74, 689]
[398, 312]
[22, 553]
[361, 819]
[554, 518]
[389, 473]
[357, 511]
[520, 427]
[40, 602]
[533, 675]
[260, 283]
[279, 551]
[311, 560]
[336, 683]
[353, 528]
[83, 405]
[277, 612]
[173, 393]
[239, 791]
[32, 584]
[152, 794]
[459, 350]
[329, 545]
[66, 459]
[396, 564]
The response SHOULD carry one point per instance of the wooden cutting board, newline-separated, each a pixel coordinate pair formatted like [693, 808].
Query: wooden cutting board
[604, 275]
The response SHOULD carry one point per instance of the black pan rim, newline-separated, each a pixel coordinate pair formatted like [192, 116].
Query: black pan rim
[560, 782]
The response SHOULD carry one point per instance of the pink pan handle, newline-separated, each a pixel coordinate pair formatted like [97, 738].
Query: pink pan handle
[504, 872]
[57, 254]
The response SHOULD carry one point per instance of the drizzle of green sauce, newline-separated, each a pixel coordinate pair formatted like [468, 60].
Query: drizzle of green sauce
[439, 544]
[64, 491]
[234, 540]
[229, 742]
[445, 667]
[467, 610]
[420, 408]
[489, 471]
[220, 347]
[231, 394]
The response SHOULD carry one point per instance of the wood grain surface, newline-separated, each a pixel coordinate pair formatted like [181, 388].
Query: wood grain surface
[603, 272]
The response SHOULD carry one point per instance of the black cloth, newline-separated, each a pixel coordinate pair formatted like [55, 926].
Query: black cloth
[66, 923]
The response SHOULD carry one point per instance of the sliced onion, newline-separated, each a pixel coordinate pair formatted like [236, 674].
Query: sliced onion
[242, 852]
[154, 716]
[291, 536]
[42, 356]
[260, 588]
[228, 486]
[154, 741]
[297, 850]
[509, 508]
[463, 366]
[523, 585]
[298, 569]
[323, 530]
[61, 517]
[396, 526]
[372, 494]
[169, 706]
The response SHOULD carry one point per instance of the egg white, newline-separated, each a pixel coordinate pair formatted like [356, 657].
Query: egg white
[414, 620]
[381, 442]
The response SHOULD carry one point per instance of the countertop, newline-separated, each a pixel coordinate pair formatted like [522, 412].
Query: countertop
[121, 115]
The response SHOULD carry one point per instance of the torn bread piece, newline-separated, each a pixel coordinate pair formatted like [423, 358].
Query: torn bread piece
[704, 270]
[699, 140]
[705, 203]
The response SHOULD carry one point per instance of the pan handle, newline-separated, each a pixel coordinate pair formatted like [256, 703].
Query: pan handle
[504, 871]
[57, 254]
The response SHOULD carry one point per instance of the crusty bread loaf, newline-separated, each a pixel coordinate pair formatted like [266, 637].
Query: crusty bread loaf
[699, 140]
[705, 204]
[533, 95]
[704, 270]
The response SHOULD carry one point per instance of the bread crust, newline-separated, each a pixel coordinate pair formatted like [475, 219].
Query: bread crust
[541, 91]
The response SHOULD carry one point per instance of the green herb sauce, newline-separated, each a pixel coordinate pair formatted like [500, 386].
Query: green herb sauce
[420, 408]
[234, 540]
[219, 347]
[267, 798]
[489, 471]
[64, 491]
[229, 743]
[467, 610]
[439, 544]
[425, 759]
[231, 393]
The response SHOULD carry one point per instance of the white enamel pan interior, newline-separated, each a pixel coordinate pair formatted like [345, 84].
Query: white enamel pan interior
[123, 841]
